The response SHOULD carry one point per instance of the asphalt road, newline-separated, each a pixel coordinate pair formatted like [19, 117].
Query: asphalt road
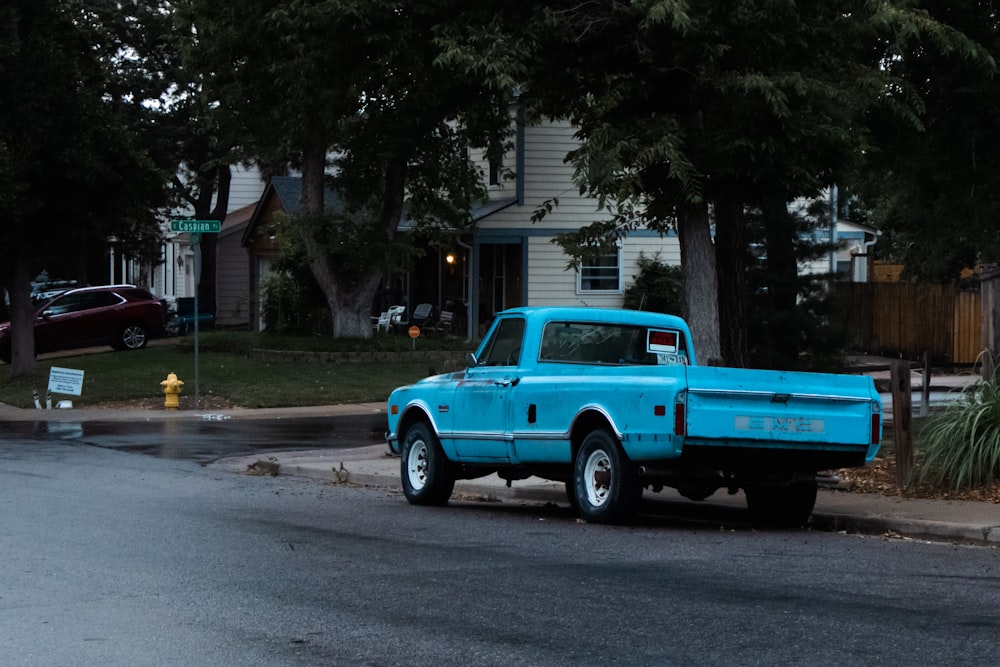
[111, 558]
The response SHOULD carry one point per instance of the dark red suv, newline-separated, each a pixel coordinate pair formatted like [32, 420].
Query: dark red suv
[123, 316]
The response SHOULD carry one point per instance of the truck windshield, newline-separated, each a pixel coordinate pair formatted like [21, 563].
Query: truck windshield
[589, 343]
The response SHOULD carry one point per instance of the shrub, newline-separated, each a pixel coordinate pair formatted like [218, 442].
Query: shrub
[292, 304]
[961, 443]
[658, 287]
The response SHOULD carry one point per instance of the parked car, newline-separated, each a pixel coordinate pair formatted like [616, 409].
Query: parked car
[123, 316]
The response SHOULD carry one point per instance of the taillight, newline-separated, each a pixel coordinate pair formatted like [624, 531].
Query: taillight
[876, 428]
[679, 420]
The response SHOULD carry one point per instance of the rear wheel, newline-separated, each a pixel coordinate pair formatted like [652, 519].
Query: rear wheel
[781, 506]
[131, 337]
[427, 475]
[605, 482]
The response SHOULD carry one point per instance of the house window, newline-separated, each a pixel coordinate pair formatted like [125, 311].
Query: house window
[494, 173]
[601, 272]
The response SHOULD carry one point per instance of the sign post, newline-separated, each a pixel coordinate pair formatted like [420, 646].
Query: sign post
[196, 228]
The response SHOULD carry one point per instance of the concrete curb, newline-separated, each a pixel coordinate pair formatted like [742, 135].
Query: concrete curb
[937, 531]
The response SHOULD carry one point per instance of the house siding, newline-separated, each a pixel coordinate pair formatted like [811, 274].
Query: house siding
[547, 177]
[551, 283]
[246, 187]
[232, 277]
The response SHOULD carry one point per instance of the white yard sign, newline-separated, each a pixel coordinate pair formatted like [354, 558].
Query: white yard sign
[65, 381]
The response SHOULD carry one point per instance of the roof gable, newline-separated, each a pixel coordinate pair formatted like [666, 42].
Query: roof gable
[285, 193]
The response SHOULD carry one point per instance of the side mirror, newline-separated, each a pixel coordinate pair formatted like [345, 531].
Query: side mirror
[470, 360]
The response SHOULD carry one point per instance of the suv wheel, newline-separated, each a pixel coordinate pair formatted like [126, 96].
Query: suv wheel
[132, 337]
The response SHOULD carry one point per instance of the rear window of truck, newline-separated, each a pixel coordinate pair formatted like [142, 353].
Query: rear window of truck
[615, 344]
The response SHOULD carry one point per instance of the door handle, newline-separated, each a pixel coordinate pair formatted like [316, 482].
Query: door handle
[506, 382]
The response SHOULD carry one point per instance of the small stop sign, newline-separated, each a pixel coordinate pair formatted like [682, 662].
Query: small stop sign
[414, 331]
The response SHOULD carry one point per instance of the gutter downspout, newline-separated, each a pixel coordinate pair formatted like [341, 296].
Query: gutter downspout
[865, 247]
[473, 297]
[519, 156]
[833, 228]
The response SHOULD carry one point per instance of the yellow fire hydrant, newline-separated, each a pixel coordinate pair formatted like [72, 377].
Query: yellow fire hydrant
[171, 391]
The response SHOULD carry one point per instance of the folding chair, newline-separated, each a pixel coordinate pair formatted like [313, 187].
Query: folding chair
[445, 322]
[422, 315]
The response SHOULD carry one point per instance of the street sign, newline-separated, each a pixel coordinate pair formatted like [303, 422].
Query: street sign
[196, 226]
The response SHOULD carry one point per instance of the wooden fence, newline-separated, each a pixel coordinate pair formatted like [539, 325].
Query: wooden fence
[905, 320]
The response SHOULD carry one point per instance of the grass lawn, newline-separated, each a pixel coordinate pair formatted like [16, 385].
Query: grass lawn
[225, 371]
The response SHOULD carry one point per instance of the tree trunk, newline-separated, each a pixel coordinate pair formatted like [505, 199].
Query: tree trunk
[22, 318]
[701, 292]
[731, 265]
[782, 279]
[219, 184]
[352, 310]
[350, 303]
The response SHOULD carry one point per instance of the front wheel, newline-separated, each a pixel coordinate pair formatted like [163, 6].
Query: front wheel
[131, 337]
[427, 475]
[787, 506]
[605, 482]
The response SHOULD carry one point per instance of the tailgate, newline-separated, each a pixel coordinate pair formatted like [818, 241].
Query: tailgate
[775, 406]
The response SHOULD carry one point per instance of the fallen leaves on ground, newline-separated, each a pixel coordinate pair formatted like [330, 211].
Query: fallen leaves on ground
[879, 476]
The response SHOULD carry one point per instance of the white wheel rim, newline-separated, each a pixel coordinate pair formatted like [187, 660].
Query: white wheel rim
[417, 465]
[597, 478]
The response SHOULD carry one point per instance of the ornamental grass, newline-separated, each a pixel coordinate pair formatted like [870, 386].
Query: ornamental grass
[961, 443]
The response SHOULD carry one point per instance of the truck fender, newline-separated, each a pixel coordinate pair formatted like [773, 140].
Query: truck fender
[590, 418]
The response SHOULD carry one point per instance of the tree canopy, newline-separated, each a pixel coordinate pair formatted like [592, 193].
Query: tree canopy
[689, 110]
[932, 185]
[398, 93]
[74, 165]
[701, 118]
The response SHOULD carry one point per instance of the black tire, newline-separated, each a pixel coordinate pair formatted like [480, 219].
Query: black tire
[787, 506]
[131, 337]
[428, 476]
[5, 355]
[605, 482]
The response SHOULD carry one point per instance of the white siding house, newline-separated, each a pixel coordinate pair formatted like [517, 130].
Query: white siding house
[543, 174]
[509, 261]
[175, 278]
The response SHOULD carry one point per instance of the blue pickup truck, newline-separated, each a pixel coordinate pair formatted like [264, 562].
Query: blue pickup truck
[613, 401]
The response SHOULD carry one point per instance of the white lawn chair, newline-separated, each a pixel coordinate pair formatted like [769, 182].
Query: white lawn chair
[396, 315]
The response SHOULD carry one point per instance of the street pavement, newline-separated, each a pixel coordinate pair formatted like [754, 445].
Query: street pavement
[374, 466]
